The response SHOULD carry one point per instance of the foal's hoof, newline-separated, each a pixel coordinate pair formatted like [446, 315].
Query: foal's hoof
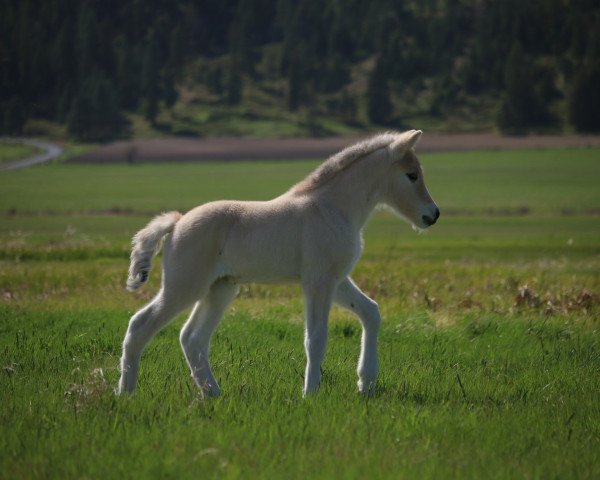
[122, 389]
[366, 388]
[309, 391]
[121, 392]
[210, 391]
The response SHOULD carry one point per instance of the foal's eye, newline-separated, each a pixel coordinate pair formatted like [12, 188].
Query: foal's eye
[413, 177]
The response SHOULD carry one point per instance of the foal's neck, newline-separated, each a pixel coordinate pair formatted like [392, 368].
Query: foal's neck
[359, 189]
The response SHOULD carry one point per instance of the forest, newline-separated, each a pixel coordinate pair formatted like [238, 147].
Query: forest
[533, 65]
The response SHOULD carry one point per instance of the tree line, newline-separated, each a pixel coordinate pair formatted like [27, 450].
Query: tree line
[85, 62]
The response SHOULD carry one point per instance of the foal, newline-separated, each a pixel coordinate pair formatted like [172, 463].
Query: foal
[310, 234]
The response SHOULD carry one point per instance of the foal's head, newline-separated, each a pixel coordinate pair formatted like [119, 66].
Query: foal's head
[406, 192]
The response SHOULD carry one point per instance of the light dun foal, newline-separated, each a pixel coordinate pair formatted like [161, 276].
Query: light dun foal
[310, 234]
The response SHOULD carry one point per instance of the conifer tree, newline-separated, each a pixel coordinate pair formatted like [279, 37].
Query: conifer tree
[518, 104]
[584, 97]
[214, 79]
[294, 85]
[176, 49]
[151, 79]
[14, 116]
[172, 70]
[127, 74]
[63, 56]
[86, 40]
[379, 105]
[79, 119]
[234, 83]
[94, 113]
[105, 107]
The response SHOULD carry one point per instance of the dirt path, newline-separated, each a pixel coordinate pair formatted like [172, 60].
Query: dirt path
[200, 149]
[51, 151]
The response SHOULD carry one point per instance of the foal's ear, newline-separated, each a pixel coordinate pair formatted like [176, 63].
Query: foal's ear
[414, 137]
[405, 141]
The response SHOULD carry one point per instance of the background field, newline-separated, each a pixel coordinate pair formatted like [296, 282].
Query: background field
[489, 348]
[9, 152]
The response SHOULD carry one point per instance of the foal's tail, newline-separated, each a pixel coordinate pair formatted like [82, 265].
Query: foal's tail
[145, 244]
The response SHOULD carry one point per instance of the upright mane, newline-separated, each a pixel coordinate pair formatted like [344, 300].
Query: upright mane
[343, 159]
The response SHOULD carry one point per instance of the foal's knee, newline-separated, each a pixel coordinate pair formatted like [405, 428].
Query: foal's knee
[144, 324]
[316, 338]
[371, 315]
[134, 335]
[138, 321]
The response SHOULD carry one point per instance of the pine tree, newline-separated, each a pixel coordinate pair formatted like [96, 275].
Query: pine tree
[126, 74]
[294, 85]
[173, 67]
[519, 104]
[25, 48]
[63, 61]
[94, 113]
[379, 105]
[334, 75]
[86, 40]
[151, 79]
[105, 108]
[584, 97]
[214, 79]
[347, 108]
[241, 33]
[14, 116]
[176, 49]
[234, 83]
[79, 119]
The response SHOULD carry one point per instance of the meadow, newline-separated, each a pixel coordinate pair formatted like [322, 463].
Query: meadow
[489, 350]
[10, 152]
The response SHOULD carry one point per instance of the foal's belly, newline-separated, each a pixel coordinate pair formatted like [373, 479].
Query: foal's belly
[261, 275]
[260, 266]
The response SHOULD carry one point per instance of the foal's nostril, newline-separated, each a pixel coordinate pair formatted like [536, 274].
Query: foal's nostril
[428, 220]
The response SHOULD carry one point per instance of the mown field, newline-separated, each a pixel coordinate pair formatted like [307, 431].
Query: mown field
[489, 350]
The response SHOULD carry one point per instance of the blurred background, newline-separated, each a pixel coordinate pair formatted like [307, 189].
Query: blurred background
[98, 70]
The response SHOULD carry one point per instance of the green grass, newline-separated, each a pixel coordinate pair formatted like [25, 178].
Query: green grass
[11, 152]
[545, 182]
[527, 406]
[489, 350]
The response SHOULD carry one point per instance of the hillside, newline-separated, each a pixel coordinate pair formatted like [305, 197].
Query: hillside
[263, 110]
[104, 70]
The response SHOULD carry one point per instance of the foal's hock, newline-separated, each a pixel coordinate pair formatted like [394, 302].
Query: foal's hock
[311, 234]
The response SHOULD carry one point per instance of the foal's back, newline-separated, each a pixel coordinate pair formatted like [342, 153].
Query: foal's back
[246, 240]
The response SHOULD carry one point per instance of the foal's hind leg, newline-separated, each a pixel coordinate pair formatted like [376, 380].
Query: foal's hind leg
[142, 328]
[197, 331]
[349, 296]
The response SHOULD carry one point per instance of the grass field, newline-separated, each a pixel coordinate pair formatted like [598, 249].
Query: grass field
[10, 152]
[489, 351]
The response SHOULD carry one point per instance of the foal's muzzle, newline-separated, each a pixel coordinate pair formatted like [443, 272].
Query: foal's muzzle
[427, 220]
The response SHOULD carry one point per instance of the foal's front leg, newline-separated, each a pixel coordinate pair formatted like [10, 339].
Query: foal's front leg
[349, 296]
[317, 299]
